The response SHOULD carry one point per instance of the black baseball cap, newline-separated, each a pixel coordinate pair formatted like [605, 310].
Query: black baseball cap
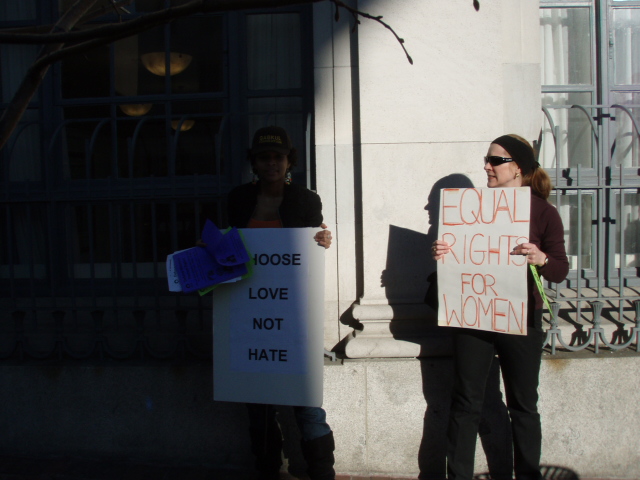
[271, 139]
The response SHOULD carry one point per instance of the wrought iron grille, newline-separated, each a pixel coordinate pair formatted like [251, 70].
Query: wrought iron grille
[83, 259]
[592, 153]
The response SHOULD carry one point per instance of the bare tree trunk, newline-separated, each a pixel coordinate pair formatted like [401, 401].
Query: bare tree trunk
[36, 73]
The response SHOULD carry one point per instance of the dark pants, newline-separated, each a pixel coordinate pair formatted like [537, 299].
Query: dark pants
[520, 357]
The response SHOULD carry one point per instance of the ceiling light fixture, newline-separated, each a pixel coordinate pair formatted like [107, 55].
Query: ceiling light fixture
[155, 62]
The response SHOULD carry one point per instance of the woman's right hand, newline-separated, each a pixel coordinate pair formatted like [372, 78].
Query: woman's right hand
[323, 237]
[439, 249]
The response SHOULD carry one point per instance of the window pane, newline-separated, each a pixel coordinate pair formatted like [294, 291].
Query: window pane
[142, 142]
[23, 241]
[629, 228]
[127, 66]
[140, 63]
[196, 151]
[627, 143]
[195, 66]
[139, 224]
[626, 45]
[149, 56]
[273, 51]
[201, 38]
[86, 143]
[576, 212]
[23, 150]
[565, 35]
[17, 10]
[86, 74]
[15, 60]
[150, 150]
[574, 138]
[91, 225]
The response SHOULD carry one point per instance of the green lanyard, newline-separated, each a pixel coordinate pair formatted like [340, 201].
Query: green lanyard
[536, 277]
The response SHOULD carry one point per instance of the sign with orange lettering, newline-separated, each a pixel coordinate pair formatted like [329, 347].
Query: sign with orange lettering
[480, 285]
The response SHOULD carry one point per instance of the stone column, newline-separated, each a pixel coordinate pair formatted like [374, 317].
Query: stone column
[427, 126]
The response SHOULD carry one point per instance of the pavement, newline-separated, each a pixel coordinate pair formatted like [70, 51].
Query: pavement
[69, 468]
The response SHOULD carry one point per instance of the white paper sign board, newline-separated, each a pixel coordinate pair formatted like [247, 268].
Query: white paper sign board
[268, 329]
[480, 285]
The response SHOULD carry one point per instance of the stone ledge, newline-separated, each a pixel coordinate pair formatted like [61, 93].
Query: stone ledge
[411, 330]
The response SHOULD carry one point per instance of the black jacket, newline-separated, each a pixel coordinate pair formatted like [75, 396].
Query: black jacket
[300, 207]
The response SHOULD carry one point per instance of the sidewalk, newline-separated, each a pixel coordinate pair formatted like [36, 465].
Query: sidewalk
[68, 468]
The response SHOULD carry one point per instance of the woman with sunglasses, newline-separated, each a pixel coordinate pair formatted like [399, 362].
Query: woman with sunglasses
[510, 162]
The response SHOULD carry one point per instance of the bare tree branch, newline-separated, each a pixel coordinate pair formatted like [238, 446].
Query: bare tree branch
[357, 13]
[34, 76]
[117, 6]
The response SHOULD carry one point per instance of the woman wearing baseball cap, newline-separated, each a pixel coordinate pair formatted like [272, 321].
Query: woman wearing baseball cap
[272, 201]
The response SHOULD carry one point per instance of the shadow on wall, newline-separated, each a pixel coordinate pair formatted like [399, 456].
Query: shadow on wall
[410, 272]
[455, 180]
[494, 429]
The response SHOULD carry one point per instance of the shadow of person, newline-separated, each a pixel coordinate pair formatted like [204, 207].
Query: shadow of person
[437, 383]
[494, 429]
[409, 270]
[405, 280]
[437, 376]
[455, 180]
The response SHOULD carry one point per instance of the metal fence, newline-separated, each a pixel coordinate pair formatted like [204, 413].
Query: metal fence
[84, 238]
[85, 232]
[592, 153]
[82, 262]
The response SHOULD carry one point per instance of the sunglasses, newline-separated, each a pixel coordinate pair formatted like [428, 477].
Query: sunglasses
[495, 161]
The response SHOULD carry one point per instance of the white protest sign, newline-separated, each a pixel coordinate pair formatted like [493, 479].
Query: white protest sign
[480, 285]
[268, 329]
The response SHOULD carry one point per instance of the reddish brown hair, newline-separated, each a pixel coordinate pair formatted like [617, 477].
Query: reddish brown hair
[537, 179]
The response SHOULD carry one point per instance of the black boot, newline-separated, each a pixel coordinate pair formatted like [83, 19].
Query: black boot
[318, 453]
[266, 440]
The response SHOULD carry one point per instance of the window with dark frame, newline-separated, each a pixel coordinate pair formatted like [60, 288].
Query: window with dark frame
[129, 147]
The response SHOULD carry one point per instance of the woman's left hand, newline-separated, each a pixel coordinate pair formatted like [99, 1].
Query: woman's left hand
[532, 252]
[323, 237]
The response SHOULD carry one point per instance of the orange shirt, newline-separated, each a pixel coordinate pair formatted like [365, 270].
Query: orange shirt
[253, 223]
